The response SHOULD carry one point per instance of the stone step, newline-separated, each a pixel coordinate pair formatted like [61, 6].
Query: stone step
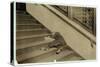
[56, 56]
[35, 53]
[49, 57]
[32, 44]
[27, 32]
[21, 12]
[32, 36]
[28, 26]
[72, 57]
[29, 40]
[23, 16]
[32, 48]
[27, 21]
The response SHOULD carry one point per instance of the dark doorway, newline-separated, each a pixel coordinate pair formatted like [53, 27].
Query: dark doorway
[21, 6]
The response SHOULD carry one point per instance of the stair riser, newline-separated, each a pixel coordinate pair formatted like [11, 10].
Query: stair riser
[30, 49]
[33, 36]
[21, 12]
[37, 58]
[21, 27]
[27, 22]
[29, 40]
[25, 33]
[23, 17]
[70, 57]
[45, 56]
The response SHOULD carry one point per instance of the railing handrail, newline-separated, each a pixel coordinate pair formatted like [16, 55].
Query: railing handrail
[73, 24]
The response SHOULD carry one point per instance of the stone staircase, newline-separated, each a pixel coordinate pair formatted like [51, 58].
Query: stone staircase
[33, 40]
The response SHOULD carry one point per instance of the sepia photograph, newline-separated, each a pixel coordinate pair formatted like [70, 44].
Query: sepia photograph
[54, 33]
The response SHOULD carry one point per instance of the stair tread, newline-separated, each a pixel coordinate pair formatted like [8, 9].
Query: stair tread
[56, 56]
[33, 54]
[22, 14]
[21, 46]
[30, 29]
[50, 58]
[20, 11]
[70, 58]
[29, 24]
[26, 19]
[75, 58]
[31, 36]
